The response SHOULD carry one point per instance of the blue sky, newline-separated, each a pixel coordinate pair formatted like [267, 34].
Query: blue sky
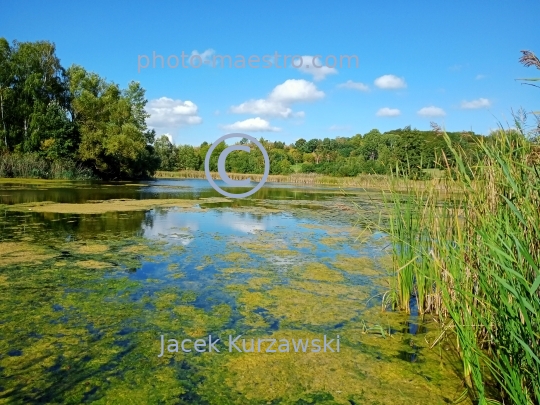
[454, 63]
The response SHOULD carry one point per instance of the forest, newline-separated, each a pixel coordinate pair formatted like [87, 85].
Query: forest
[406, 151]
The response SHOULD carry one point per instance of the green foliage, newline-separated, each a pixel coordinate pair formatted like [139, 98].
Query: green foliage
[373, 153]
[71, 115]
[472, 259]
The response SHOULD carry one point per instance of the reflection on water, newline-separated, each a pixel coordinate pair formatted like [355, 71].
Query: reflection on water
[85, 298]
[83, 191]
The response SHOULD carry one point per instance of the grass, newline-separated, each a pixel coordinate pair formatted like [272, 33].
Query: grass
[471, 260]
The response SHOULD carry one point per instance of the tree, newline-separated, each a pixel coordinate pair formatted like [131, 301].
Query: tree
[299, 144]
[188, 159]
[409, 148]
[370, 145]
[114, 137]
[311, 145]
[5, 86]
[166, 152]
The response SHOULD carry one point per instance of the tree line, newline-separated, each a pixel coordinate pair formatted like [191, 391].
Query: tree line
[406, 150]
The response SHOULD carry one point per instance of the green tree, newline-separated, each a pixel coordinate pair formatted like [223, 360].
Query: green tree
[167, 153]
[114, 137]
[188, 159]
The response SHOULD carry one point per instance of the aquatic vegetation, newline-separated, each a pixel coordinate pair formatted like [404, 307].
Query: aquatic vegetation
[92, 264]
[358, 265]
[23, 253]
[318, 271]
[99, 207]
[88, 248]
[331, 241]
[349, 376]
[82, 315]
[472, 259]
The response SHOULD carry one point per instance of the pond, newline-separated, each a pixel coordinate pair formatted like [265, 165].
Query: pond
[112, 291]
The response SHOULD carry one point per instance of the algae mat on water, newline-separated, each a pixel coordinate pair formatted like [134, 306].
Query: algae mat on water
[115, 205]
[86, 298]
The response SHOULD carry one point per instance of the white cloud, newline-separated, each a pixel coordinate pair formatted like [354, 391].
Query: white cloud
[318, 73]
[206, 57]
[388, 112]
[431, 111]
[252, 125]
[278, 102]
[293, 91]
[263, 107]
[349, 84]
[480, 77]
[390, 82]
[168, 113]
[474, 104]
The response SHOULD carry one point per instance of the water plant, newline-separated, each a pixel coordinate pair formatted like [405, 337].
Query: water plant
[471, 260]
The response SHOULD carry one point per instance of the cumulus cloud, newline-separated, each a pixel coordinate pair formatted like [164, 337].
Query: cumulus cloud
[168, 113]
[252, 125]
[431, 111]
[278, 102]
[389, 82]
[294, 91]
[349, 84]
[388, 112]
[263, 107]
[307, 67]
[474, 104]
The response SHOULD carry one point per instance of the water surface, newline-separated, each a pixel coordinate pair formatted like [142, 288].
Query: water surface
[86, 298]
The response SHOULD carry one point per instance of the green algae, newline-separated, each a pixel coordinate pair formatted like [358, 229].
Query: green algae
[23, 253]
[358, 265]
[92, 248]
[93, 264]
[91, 333]
[333, 240]
[102, 206]
[318, 271]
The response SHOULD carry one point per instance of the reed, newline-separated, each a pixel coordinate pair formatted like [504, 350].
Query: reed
[33, 166]
[371, 181]
[472, 260]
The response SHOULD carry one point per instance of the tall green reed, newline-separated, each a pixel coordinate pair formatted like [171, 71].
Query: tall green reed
[472, 259]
